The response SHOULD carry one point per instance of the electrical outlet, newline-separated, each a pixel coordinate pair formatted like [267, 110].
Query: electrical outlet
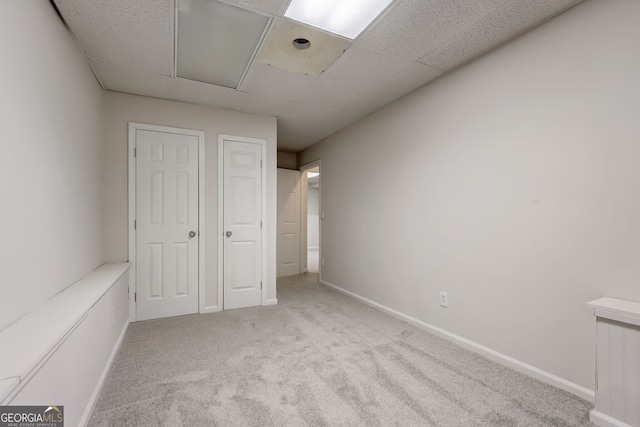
[444, 299]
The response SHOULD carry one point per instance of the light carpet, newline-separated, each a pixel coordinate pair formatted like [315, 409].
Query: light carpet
[318, 358]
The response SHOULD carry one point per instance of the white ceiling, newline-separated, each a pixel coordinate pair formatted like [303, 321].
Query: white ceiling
[130, 45]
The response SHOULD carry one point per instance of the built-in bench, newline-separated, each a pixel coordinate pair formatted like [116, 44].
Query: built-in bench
[60, 353]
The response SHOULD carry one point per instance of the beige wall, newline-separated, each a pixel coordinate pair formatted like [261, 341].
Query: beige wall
[287, 160]
[50, 119]
[511, 184]
[121, 109]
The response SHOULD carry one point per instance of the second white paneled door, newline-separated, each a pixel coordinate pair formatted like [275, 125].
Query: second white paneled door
[166, 216]
[242, 223]
[288, 241]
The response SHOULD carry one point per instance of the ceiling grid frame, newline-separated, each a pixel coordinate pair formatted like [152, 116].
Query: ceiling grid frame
[131, 47]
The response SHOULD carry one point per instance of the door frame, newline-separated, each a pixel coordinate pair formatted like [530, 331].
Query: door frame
[304, 214]
[220, 235]
[133, 127]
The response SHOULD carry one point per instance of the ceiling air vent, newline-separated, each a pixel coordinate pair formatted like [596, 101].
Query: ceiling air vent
[301, 43]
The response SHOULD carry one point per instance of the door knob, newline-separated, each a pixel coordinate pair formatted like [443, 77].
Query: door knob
[228, 233]
[192, 234]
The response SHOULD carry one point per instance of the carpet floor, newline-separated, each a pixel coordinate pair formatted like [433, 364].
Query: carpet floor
[318, 358]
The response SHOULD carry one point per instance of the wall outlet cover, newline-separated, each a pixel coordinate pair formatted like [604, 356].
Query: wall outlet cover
[444, 299]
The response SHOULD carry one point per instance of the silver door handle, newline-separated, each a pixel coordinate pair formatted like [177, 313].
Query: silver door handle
[192, 234]
[228, 233]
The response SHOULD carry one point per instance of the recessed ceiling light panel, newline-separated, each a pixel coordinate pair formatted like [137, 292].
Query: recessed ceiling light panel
[216, 41]
[347, 18]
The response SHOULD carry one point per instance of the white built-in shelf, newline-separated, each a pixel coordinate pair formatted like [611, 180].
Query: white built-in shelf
[616, 309]
[28, 342]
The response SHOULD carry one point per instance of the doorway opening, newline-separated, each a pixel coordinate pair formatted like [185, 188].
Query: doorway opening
[311, 209]
[313, 220]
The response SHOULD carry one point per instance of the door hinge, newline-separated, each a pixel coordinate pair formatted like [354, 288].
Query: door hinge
[135, 224]
[260, 285]
[260, 225]
[135, 152]
[260, 164]
[135, 297]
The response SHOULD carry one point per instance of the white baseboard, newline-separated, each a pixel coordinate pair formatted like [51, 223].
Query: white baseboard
[604, 420]
[271, 301]
[96, 392]
[490, 354]
[210, 309]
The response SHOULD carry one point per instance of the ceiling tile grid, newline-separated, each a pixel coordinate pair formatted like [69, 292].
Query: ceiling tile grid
[130, 45]
[413, 28]
[495, 29]
[309, 121]
[267, 81]
[359, 72]
[264, 105]
[201, 93]
[412, 78]
[127, 80]
[137, 33]
[266, 7]
[320, 125]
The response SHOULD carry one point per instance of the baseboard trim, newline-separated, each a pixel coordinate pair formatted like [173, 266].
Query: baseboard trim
[210, 309]
[490, 354]
[604, 420]
[96, 392]
[271, 301]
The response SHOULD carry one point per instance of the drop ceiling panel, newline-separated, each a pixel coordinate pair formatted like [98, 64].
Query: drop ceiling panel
[495, 29]
[120, 78]
[268, 7]
[201, 93]
[412, 78]
[413, 28]
[138, 34]
[321, 118]
[358, 72]
[312, 121]
[270, 82]
[264, 105]
[130, 46]
[278, 49]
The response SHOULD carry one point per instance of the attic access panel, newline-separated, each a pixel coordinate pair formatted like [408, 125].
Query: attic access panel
[216, 42]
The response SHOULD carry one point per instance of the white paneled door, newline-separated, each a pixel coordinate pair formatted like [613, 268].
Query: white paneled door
[288, 241]
[242, 224]
[166, 215]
